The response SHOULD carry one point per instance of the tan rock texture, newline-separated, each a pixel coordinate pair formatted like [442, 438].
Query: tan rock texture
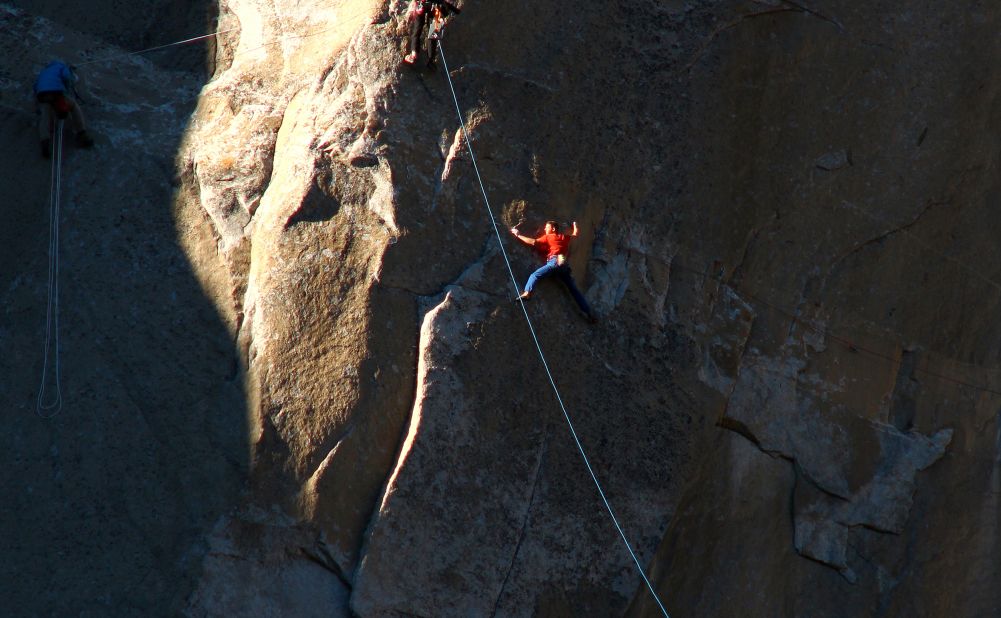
[295, 383]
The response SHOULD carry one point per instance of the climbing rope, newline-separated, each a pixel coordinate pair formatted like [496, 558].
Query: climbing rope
[158, 47]
[206, 36]
[535, 338]
[218, 32]
[51, 408]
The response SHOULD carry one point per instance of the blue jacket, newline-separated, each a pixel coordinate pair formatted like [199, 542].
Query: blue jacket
[56, 77]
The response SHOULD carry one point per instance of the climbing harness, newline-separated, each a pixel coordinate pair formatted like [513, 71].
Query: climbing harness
[538, 346]
[49, 404]
[437, 28]
[427, 24]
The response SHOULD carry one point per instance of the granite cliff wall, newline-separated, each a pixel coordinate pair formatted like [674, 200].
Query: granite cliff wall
[295, 384]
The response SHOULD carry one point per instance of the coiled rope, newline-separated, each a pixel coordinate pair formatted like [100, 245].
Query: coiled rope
[49, 406]
[535, 339]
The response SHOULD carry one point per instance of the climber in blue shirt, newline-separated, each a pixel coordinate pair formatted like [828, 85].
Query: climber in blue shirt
[52, 88]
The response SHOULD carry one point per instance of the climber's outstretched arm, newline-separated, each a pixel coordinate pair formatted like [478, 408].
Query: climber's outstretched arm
[525, 239]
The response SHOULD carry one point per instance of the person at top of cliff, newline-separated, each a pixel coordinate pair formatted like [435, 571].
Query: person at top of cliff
[51, 90]
[555, 248]
[419, 12]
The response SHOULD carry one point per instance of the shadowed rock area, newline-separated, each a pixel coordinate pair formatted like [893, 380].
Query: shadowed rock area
[295, 384]
[107, 504]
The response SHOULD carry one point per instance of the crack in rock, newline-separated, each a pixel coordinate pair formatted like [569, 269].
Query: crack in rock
[852, 471]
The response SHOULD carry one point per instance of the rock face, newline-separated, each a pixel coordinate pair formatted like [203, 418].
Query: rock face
[107, 504]
[842, 337]
[295, 384]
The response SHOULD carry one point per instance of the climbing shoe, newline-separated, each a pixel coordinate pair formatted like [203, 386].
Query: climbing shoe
[84, 140]
[410, 58]
[46, 148]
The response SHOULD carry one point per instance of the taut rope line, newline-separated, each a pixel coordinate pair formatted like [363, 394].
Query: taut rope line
[538, 346]
[218, 32]
[143, 51]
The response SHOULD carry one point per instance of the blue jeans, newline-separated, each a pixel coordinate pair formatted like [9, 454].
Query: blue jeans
[550, 269]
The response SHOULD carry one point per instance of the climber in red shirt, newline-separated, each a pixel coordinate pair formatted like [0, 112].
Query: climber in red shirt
[555, 247]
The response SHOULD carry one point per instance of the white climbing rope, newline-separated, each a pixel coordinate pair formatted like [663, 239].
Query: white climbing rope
[535, 339]
[158, 47]
[48, 409]
[275, 41]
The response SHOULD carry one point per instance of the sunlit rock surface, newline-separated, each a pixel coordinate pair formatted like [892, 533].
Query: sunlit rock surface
[295, 384]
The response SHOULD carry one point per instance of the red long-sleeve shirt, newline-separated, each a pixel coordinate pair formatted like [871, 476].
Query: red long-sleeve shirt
[552, 245]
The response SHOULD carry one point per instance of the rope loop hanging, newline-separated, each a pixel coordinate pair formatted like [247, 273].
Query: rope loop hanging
[49, 403]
